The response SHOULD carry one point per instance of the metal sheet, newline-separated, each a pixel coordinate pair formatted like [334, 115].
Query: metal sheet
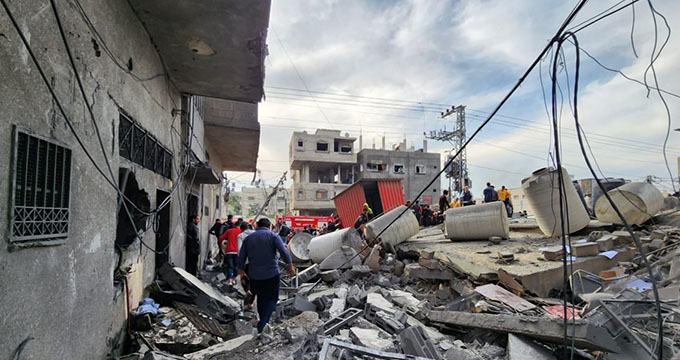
[494, 292]
[349, 204]
[391, 194]
[202, 321]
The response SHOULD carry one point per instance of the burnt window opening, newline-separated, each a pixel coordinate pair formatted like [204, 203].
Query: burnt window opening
[345, 148]
[300, 143]
[40, 206]
[375, 167]
[139, 146]
[133, 209]
[322, 146]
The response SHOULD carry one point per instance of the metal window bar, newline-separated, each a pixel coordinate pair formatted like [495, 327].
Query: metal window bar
[40, 203]
[139, 146]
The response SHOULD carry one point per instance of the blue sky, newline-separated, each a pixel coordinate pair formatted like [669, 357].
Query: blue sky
[467, 52]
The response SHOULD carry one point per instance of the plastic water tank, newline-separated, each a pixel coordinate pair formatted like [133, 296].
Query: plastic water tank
[543, 194]
[609, 184]
[405, 227]
[477, 222]
[637, 201]
[322, 246]
[298, 246]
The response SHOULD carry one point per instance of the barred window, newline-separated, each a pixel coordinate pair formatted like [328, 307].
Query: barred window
[139, 146]
[40, 190]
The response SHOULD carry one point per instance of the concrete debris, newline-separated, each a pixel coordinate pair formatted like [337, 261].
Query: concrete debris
[435, 299]
[495, 240]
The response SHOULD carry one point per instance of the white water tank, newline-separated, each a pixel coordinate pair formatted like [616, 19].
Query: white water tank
[637, 201]
[477, 222]
[298, 246]
[402, 229]
[543, 194]
[322, 246]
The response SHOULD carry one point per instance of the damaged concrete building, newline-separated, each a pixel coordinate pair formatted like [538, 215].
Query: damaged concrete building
[99, 182]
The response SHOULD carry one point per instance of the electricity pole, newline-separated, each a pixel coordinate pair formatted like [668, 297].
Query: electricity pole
[270, 196]
[458, 170]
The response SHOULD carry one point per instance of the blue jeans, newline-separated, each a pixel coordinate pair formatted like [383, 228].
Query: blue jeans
[230, 259]
[267, 292]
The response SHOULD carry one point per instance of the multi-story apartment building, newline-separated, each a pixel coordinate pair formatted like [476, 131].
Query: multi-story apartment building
[414, 167]
[322, 165]
[252, 199]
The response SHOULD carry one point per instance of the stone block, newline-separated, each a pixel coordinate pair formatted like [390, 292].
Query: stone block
[330, 275]
[656, 244]
[585, 249]
[427, 253]
[360, 270]
[398, 268]
[370, 338]
[415, 271]
[301, 304]
[431, 264]
[354, 297]
[373, 259]
[553, 253]
[495, 240]
[605, 244]
[594, 236]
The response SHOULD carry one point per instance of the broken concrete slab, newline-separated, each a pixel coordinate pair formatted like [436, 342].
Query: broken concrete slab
[427, 254]
[373, 259]
[330, 275]
[431, 264]
[594, 236]
[379, 302]
[585, 335]
[370, 338]
[157, 355]
[419, 272]
[554, 253]
[585, 249]
[301, 304]
[657, 234]
[494, 292]
[403, 298]
[343, 258]
[360, 270]
[656, 244]
[521, 348]
[221, 348]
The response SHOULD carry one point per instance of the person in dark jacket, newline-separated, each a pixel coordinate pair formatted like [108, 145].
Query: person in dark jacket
[193, 245]
[466, 197]
[284, 230]
[361, 220]
[259, 249]
[490, 193]
[216, 230]
[444, 201]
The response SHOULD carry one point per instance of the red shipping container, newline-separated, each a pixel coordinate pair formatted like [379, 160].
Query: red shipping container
[380, 195]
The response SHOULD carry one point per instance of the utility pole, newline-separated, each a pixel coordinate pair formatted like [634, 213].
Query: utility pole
[270, 196]
[458, 170]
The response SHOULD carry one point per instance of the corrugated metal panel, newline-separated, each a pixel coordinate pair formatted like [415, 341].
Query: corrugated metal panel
[349, 204]
[391, 194]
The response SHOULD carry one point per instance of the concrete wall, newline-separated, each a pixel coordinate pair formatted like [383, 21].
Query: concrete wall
[64, 296]
[412, 182]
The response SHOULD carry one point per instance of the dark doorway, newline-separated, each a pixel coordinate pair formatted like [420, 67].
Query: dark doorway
[372, 195]
[192, 209]
[163, 229]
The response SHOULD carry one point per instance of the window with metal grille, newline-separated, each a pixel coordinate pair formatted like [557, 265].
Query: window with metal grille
[40, 190]
[139, 146]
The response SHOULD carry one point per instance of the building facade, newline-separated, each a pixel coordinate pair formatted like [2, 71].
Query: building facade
[252, 198]
[414, 167]
[99, 184]
[322, 165]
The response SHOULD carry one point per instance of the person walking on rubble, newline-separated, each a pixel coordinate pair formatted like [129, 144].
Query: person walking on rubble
[229, 242]
[259, 249]
[193, 245]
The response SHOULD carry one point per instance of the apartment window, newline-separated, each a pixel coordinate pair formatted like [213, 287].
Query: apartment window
[321, 194]
[322, 146]
[345, 148]
[420, 169]
[139, 146]
[300, 195]
[398, 168]
[217, 202]
[300, 143]
[373, 166]
[40, 190]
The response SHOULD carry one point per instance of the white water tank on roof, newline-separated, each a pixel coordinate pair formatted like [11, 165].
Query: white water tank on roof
[637, 201]
[543, 194]
[322, 246]
[298, 246]
[402, 229]
[477, 222]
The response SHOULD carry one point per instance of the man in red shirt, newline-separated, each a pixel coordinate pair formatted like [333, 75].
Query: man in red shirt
[229, 241]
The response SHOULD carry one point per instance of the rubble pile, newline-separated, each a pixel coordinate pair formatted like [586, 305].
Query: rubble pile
[368, 303]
